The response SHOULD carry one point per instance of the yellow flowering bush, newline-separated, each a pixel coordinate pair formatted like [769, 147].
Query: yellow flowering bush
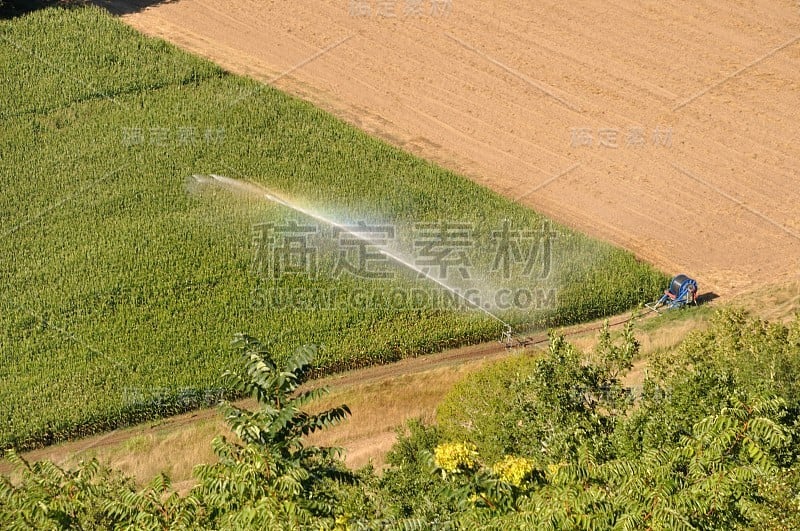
[513, 469]
[455, 457]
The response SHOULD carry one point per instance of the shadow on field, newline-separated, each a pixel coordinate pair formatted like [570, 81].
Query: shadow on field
[126, 7]
[16, 8]
[707, 297]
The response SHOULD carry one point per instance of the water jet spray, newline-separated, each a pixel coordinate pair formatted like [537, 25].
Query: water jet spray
[260, 191]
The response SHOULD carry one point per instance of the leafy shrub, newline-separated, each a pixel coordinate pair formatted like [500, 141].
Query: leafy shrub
[269, 480]
[716, 440]
[542, 408]
[737, 356]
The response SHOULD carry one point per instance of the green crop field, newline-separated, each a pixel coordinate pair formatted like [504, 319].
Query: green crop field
[123, 282]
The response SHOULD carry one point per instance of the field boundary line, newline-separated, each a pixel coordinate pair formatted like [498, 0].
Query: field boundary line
[299, 65]
[737, 72]
[519, 75]
[740, 203]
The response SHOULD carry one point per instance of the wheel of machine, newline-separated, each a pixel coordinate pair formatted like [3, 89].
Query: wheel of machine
[676, 284]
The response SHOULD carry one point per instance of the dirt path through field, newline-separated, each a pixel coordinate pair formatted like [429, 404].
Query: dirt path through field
[669, 128]
[373, 431]
[371, 436]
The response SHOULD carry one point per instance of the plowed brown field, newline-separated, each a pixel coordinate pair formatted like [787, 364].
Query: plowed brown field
[669, 128]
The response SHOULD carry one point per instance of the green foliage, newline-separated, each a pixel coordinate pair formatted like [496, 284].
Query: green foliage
[715, 447]
[734, 468]
[271, 477]
[409, 482]
[736, 356]
[762, 357]
[269, 480]
[281, 419]
[480, 409]
[711, 480]
[89, 497]
[120, 289]
[542, 408]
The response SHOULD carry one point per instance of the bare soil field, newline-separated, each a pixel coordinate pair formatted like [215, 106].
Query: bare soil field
[668, 128]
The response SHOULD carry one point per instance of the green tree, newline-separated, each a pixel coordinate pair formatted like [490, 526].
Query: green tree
[722, 476]
[595, 461]
[92, 496]
[271, 478]
[409, 481]
[736, 356]
[267, 480]
[712, 444]
[543, 408]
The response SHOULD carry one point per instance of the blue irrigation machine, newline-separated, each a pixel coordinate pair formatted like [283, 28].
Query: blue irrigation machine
[682, 292]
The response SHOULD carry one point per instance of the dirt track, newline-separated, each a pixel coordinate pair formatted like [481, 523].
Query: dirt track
[357, 449]
[360, 449]
[691, 109]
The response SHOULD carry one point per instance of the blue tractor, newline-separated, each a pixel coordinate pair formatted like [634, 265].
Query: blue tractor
[682, 291]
